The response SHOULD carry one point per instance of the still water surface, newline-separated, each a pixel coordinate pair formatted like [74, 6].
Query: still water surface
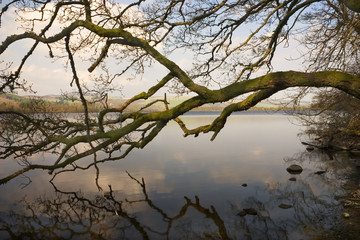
[188, 188]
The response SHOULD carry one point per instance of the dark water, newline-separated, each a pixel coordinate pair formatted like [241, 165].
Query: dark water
[188, 188]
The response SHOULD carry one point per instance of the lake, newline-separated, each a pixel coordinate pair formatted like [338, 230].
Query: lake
[235, 187]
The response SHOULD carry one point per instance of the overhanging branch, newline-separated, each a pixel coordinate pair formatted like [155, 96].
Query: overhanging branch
[263, 87]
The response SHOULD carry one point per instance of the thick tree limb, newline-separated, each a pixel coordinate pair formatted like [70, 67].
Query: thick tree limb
[268, 85]
[352, 4]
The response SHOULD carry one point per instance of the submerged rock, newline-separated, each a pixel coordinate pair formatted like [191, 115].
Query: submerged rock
[294, 169]
[247, 211]
[285, 206]
[250, 211]
[310, 148]
[242, 213]
[320, 172]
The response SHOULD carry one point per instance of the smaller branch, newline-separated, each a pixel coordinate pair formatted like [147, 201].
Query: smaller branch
[103, 54]
[143, 95]
[31, 35]
[152, 103]
[220, 121]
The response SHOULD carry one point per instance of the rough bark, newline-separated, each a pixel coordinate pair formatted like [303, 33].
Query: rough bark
[263, 87]
[352, 4]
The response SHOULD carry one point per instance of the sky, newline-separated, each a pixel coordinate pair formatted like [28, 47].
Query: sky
[49, 77]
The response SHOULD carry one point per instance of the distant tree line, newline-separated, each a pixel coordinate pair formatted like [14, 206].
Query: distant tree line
[39, 105]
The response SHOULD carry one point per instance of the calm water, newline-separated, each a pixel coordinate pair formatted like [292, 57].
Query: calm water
[188, 188]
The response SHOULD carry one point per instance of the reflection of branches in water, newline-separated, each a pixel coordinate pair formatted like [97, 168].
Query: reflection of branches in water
[335, 164]
[315, 212]
[308, 214]
[72, 215]
[309, 206]
[319, 188]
